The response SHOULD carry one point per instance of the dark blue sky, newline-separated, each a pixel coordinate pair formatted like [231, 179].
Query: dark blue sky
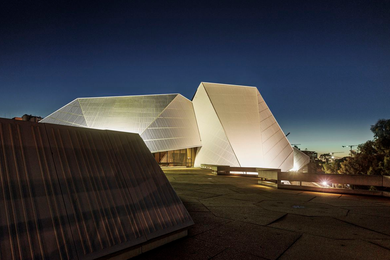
[323, 67]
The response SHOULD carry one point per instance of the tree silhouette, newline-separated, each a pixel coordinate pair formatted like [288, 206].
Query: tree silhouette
[373, 157]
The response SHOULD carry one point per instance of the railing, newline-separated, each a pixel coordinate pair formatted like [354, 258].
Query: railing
[227, 170]
[335, 183]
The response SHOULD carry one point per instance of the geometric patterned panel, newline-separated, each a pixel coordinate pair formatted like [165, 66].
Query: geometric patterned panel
[237, 110]
[277, 151]
[128, 114]
[174, 129]
[216, 148]
[70, 114]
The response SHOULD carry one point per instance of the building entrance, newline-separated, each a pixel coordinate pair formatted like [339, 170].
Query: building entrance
[183, 157]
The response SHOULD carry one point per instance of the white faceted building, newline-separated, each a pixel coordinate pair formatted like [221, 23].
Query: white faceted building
[165, 122]
[223, 125]
[238, 129]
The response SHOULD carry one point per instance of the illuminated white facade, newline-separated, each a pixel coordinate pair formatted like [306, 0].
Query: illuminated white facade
[238, 129]
[165, 122]
[232, 125]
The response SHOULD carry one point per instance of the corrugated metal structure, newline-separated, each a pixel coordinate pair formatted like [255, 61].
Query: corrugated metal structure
[78, 193]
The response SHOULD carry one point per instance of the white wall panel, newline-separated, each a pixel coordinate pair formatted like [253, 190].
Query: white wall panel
[216, 148]
[174, 129]
[276, 147]
[286, 164]
[237, 110]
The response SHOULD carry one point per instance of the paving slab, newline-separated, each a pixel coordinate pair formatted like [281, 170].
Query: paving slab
[232, 254]
[186, 186]
[376, 223]
[190, 248]
[253, 197]
[326, 227]
[302, 208]
[382, 243]
[254, 215]
[261, 241]
[322, 194]
[218, 190]
[236, 218]
[379, 211]
[374, 199]
[186, 199]
[205, 221]
[196, 194]
[339, 202]
[223, 201]
[195, 206]
[289, 197]
[320, 248]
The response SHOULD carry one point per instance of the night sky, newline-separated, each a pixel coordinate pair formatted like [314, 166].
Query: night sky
[323, 67]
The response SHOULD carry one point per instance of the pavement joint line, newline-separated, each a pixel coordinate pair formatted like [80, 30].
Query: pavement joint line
[219, 253]
[327, 236]
[353, 224]
[311, 199]
[293, 243]
[278, 219]
[372, 242]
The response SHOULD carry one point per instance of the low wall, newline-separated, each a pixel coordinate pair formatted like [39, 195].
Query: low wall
[266, 173]
[336, 183]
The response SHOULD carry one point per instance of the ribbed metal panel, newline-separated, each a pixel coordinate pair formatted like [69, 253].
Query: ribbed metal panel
[68, 189]
[160, 208]
[33, 219]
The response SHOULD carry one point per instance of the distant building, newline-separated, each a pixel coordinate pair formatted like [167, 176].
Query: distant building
[29, 118]
[301, 161]
[312, 154]
[223, 125]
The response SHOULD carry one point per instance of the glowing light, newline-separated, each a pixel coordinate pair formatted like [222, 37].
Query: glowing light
[325, 183]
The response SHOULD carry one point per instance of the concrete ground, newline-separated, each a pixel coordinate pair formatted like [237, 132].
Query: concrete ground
[236, 218]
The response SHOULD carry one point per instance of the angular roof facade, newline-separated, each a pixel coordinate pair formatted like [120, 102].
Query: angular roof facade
[232, 124]
[79, 193]
[165, 122]
[238, 129]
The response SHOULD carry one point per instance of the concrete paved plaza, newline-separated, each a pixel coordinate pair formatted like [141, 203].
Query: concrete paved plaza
[236, 218]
